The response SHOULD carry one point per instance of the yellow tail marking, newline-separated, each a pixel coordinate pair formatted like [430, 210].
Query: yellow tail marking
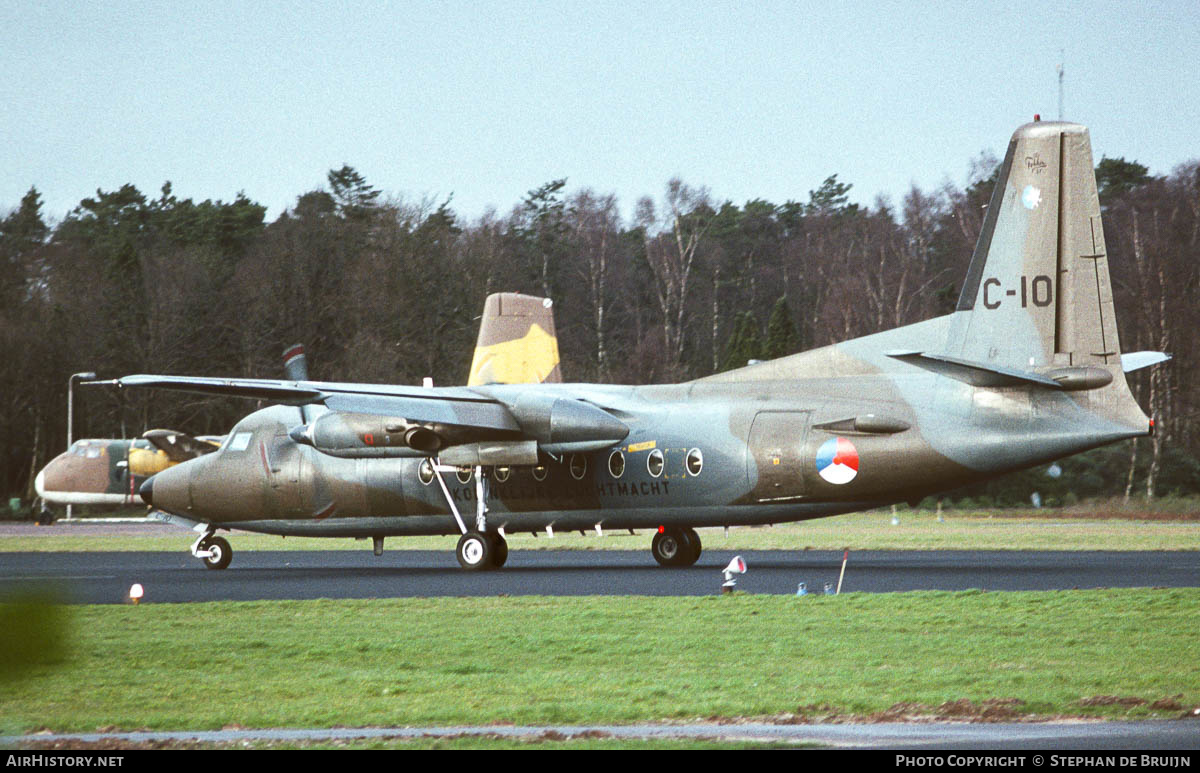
[527, 360]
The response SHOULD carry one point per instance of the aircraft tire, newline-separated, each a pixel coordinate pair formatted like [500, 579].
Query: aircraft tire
[222, 553]
[474, 551]
[672, 547]
[499, 550]
[694, 543]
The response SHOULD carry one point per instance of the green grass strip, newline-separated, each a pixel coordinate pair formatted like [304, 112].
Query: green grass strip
[597, 659]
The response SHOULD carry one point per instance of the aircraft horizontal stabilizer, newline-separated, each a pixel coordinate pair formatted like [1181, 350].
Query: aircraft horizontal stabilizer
[1138, 360]
[973, 373]
[1067, 379]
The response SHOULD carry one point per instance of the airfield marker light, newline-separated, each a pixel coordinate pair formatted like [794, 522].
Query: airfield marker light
[136, 592]
[802, 589]
[828, 589]
[737, 565]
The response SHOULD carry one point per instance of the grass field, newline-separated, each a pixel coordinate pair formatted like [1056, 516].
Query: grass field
[1113, 653]
[917, 530]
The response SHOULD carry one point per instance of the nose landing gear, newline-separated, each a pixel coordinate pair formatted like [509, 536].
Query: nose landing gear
[214, 551]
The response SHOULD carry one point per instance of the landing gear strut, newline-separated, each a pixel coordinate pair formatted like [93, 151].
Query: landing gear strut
[676, 547]
[478, 548]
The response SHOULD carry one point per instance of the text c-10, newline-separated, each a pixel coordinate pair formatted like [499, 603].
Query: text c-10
[1040, 291]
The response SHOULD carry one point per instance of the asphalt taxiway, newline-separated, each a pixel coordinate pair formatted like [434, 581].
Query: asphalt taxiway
[105, 577]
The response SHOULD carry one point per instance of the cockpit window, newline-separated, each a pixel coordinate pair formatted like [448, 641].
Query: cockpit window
[240, 441]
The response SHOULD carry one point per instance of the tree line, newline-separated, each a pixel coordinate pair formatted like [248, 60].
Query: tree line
[380, 289]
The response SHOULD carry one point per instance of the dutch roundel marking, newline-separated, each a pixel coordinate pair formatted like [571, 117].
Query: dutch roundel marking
[837, 461]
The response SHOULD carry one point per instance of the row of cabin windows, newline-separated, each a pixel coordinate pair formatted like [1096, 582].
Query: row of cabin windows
[655, 464]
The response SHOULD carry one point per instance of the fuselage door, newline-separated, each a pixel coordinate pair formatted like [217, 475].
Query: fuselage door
[283, 460]
[775, 461]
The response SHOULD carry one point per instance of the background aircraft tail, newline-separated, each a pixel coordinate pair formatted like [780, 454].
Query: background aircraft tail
[517, 343]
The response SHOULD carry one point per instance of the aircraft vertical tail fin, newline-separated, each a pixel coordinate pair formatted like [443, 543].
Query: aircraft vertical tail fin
[1037, 294]
[517, 343]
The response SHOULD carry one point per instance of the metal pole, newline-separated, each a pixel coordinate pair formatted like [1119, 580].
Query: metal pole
[71, 412]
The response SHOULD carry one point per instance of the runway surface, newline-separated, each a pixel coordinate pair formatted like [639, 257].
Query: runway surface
[105, 577]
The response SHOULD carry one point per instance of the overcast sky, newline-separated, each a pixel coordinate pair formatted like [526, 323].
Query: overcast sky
[484, 101]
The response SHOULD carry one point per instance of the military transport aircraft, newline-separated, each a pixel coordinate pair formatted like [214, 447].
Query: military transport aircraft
[109, 471]
[1026, 370]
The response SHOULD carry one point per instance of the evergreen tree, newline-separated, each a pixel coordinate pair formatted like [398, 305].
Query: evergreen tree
[355, 199]
[1115, 176]
[745, 344]
[781, 333]
[22, 232]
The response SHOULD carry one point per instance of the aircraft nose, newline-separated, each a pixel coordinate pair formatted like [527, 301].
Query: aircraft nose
[170, 489]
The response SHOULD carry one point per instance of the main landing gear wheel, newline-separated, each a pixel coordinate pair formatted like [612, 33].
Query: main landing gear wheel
[221, 553]
[475, 551]
[676, 547]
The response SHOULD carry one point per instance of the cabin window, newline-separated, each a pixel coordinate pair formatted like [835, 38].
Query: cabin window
[425, 472]
[695, 462]
[616, 464]
[240, 441]
[655, 463]
[501, 474]
[464, 474]
[578, 466]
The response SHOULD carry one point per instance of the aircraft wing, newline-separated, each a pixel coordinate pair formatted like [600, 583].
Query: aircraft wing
[179, 446]
[393, 420]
